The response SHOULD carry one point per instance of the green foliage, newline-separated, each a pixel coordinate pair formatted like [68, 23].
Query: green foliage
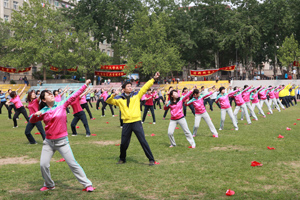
[289, 51]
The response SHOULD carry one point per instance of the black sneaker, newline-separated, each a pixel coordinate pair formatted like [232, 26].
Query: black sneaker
[121, 162]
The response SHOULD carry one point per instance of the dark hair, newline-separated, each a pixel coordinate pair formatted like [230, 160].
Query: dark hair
[234, 88]
[37, 91]
[28, 99]
[13, 94]
[8, 90]
[54, 92]
[245, 86]
[59, 89]
[149, 90]
[202, 87]
[221, 88]
[42, 97]
[270, 86]
[196, 91]
[172, 99]
[125, 84]
[112, 90]
[183, 89]
[170, 87]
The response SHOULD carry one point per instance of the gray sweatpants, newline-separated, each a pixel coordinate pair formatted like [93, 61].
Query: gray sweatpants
[259, 108]
[63, 147]
[279, 103]
[207, 119]
[185, 128]
[223, 116]
[274, 102]
[252, 113]
[244, 109]
[267, 103]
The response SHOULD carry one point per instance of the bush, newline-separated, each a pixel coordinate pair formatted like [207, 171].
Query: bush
[12, 82]
[66, 77]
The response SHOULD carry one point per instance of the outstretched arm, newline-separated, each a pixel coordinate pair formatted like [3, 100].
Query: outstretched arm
[22, 90]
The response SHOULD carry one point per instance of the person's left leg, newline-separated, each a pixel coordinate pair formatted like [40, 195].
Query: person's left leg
[211, 126]
[137, 128]
[28, 129]
[88, 110]
[192, 109]
[40, 128]
[244, 108]
[63, 147]
[153, 114]
[182, 122]
[112, 110]
[24, 113]
[252, 113]
[82, 117]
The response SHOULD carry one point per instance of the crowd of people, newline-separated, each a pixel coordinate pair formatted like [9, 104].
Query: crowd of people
[52, 108]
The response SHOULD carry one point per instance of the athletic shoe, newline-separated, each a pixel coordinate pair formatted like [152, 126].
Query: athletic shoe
[151, 163]
[264, 116]
[153, 122]
[15, 127]
[163, 118]
[171, 146]
[89, 189]
[113, 115]
[236, 129]
[46, 188]
[93, 118]
[88, 136]
[74, 134]
[102, 115]
[121, 126]
[220, 129]
[216, 136]
[121, 162]
[194, 135]
[249, 124]
[242, 119]
[192, 147]
[33, 143]
[142, 122]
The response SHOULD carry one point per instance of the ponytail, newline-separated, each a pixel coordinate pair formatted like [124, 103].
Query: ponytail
[196, 91]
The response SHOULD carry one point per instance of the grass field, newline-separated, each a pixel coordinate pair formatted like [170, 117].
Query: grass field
[206, 172]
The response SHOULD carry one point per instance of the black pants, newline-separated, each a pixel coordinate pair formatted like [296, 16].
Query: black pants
[93, 99]
[161, 98]
[86, 106]
[80, 116]
[146, 111]
[214, 101]
[156, 102]
[289, 100]
[17, 113]
[67, 109]
[298, 96]
[98, 103]
[141, 104]
[190, 106]
[29, 128]
[166, 112]
[284, 102]
[89, 101]
[104, 106]
[1, 104]
[137, 128]
[10, 107]
[293, 98]
[231, 99]
[207, 100]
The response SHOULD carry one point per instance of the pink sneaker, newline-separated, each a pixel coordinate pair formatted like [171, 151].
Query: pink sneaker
[216, 136]
[192, 147]
[46, 188]
[194, 135]
[171, 146]
[89, 189]
[163, 118]
[264, 116]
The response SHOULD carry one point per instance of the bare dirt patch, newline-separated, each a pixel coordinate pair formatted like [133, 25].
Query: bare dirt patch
[106, 142]
[18, 160]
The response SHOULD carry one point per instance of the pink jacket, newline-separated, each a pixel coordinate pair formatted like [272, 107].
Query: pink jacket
[33, 106]
[277, 92]
[272, 94]
[83, 99]
[58, 98]
[263, 93]
[176, 109]
[55, 118]
[76, 106]
[17, 101]
[254, 96]
[247, 93]
[224, 101]
[104, 95]
[143, 97]
[198, 103]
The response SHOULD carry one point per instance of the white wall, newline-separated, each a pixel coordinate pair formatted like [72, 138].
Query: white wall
[257, 83]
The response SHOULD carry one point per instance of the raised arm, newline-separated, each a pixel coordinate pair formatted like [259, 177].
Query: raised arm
[232, 93]
[147, 85]
[65, 90]
[86, 91]
[111, 100]
[246, 89]
[22, 90]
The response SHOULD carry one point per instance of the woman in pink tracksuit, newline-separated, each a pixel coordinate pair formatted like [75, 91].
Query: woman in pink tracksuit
[54, 116]
[240, 104]
[222, 98]
[255, 100]
[277, 96]
[263, 98]
[177, 117]
[246, 97]
[200, 112]
[272, 98]
[104, 95]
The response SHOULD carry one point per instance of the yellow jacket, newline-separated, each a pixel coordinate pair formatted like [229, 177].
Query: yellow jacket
[293, 91]
[285, 91]
[132, 113]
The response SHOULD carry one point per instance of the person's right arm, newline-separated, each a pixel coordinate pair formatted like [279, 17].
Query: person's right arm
[232, 93]
[147, 85]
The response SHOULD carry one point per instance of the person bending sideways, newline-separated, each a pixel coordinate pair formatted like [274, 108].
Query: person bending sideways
[129, 104]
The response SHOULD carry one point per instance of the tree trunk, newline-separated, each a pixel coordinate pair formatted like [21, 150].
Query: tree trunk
[275, 65]
[44, 73]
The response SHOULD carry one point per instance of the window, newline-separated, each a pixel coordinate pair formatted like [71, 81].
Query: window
[63, 5]
[50, 2]
[112, 54]
[6, 17]
[108, 52]
[15, 5]
[104, 42]
[103, 50]
[34, 69]
[5, 3]
[56, 3]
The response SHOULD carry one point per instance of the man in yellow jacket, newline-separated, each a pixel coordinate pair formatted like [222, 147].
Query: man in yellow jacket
[129, 104]
[293, 94]
[284, 95]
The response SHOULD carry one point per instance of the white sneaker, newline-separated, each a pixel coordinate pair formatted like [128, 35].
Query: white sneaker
[142, 122]
[113, 116]
[88, 136]
[15, 127]
[121, 126]
[236, 129]
[242, 119]
[220, 129]
[153, 122]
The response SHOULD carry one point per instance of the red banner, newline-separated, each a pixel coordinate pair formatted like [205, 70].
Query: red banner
[296, 64]
[112, 67]
[13, 70]
[56, 69]
[210, 71]
[109, 74]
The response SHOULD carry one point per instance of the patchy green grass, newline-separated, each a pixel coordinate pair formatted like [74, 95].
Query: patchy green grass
[206, 172]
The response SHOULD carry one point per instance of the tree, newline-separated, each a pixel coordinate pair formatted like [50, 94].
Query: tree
[289, 51]
[147, 42]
